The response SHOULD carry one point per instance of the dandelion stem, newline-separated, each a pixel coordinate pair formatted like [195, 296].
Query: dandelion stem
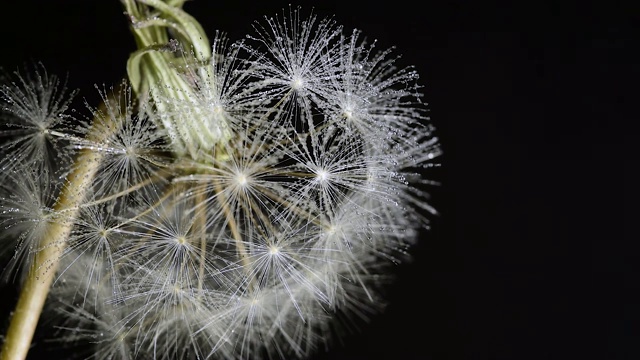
[201, 230]
[36, 287]
[111, 197]
[233, 226]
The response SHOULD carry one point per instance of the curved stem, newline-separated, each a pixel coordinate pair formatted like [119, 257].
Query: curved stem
[43, 271]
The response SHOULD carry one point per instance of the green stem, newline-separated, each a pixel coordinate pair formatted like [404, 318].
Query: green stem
[152, 68]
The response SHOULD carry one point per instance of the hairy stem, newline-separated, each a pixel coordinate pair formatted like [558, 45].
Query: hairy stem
[43, 271]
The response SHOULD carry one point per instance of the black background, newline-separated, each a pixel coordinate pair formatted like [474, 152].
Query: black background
[529, 257]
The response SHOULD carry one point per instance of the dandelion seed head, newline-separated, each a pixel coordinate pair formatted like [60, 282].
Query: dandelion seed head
[322, 175]
[218, 109]
[35, 118]
[297, 83]
[181, 240]
[332, 229]
[240, 210]
[348, 113]
[241, 179]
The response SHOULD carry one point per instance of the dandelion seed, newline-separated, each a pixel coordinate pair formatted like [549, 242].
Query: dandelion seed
[34, 119]
[26, 201]
[296, 55]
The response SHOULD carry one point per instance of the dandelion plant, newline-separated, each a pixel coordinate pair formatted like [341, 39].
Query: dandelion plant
[230, 200]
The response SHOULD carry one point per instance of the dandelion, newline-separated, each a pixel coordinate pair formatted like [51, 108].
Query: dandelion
[296, 58]
[133, 154]
[232, 201]
[26, 204]
[34, 108]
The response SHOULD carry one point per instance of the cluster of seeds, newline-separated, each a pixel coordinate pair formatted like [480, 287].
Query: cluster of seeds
[236, 219]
